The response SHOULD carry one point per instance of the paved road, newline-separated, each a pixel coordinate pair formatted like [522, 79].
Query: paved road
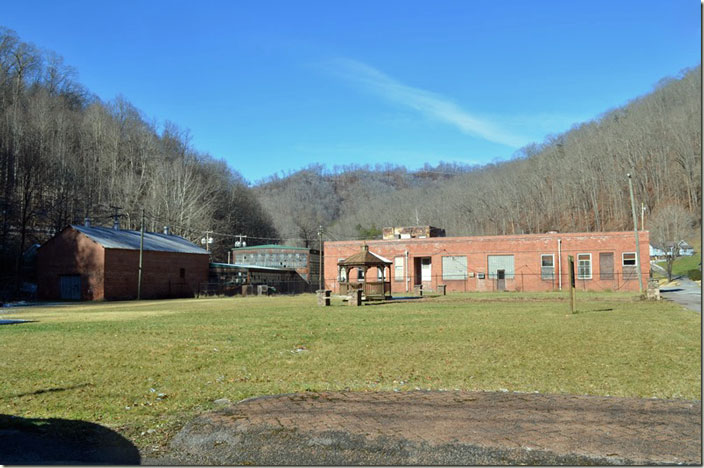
[446, 428]
[685, 292]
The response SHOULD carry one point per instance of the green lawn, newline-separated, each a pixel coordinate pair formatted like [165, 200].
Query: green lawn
[144, 368]
[683, 265]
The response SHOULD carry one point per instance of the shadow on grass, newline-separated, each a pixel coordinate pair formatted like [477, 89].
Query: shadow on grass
[592, 310]
[51, 390]
[28, 441]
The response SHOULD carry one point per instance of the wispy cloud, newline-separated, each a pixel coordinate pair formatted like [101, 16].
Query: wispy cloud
[428, 103]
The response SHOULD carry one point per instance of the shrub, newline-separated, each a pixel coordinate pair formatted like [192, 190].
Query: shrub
[695, 275]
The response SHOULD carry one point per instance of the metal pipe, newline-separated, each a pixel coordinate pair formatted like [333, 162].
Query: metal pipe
[559, 264]
[407, 270]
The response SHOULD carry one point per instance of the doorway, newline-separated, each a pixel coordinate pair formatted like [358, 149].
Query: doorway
[70, 287]
[423, 273]
[501, 280]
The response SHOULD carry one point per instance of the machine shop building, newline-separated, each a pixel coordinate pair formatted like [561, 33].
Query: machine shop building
[96, 263]
[303, 261]
[526, 262]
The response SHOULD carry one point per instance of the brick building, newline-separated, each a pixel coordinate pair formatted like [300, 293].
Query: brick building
[305, 262]
[528, 262]
[229, 279]
[94, 263]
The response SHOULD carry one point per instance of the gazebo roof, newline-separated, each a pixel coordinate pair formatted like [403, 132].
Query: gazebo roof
[365, 258]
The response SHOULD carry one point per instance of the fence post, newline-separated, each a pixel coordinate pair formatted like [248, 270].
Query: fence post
[570, 259]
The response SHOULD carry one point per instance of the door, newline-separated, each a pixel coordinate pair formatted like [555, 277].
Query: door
[606, 265]
[425, 270]
[70, 287]
[501, 280]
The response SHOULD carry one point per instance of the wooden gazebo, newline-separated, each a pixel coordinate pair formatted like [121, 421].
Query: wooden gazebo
[379, 288]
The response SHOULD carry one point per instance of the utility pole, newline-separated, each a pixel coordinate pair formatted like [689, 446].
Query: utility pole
[116, 217]
[642, 219]
[141, 253]
[241, 243]
[635, 231]
[207, 240]
[320, 257]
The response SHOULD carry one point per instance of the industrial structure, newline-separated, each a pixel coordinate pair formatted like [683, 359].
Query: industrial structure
[304, 261]
[525, 262]
[95, 263]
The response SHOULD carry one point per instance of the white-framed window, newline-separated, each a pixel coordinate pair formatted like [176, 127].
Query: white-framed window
[584, 266]
[547, 266]
[380, 273]
[628, 259]
[454, 267]
[360, 274]
[342, 272]
[398, 268]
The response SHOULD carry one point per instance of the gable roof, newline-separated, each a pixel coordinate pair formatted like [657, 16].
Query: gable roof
[365, 257]
[129, 240]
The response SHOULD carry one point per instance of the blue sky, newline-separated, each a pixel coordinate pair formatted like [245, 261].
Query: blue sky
[273, 86]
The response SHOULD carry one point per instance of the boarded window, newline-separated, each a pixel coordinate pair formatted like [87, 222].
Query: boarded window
[500, 262]
[398, 268]
[630, 269]
[584, 266]
[547, 267]
[454, 268]
[606, 265]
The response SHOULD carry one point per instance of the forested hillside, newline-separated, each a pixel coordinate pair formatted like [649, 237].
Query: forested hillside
[575, 181]
[66, 155]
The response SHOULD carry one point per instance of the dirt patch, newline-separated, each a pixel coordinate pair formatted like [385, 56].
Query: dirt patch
[448, 428]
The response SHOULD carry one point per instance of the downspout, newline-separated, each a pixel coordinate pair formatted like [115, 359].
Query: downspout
[407, 270]
[559, 264]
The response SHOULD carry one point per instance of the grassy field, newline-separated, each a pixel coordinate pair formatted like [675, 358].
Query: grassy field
[145, 368]
[683, 265]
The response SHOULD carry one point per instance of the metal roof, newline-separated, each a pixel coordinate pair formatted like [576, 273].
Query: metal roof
[249, 267]
[129, 240]
[270, 246]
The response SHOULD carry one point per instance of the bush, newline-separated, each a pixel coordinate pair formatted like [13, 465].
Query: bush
[695, 275]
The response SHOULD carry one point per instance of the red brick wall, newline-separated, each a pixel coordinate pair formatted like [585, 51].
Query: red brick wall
[112, 273]
[160, 274]
[526, 249]
[70, 253]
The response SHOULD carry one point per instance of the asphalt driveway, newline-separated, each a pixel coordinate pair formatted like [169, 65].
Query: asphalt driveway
[684, 292]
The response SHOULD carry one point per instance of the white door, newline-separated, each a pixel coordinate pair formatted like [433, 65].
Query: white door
[425, 273]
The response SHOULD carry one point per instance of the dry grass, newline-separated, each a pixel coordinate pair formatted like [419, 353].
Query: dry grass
[136, 366]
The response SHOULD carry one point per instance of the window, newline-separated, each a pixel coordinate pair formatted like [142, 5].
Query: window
[182, 273]
[629, 259]
[500, 262]
[584, 266]
[454, 268]
[398, 269]
[547, 267]
[360, 274]
[380, 273]
[630, 270]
